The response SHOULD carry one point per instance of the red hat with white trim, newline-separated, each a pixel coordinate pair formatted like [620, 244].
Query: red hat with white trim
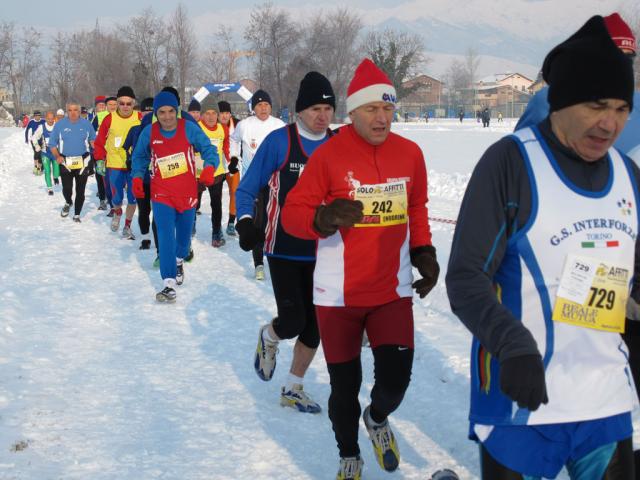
[620, 32]
[369, 84]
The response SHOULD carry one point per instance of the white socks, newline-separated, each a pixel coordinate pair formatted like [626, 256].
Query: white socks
[291, 381]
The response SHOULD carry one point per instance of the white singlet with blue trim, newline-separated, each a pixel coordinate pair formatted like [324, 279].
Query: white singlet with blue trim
[587, 370]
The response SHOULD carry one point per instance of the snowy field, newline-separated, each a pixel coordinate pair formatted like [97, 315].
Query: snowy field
[98, 381]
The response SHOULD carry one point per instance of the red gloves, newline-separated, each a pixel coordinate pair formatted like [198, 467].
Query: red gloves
[137, 187]
[206, 177]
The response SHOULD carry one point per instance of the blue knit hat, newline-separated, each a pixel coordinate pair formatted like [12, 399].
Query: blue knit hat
[164, 99]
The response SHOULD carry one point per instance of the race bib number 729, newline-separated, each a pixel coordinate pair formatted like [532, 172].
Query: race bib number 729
[593, 294]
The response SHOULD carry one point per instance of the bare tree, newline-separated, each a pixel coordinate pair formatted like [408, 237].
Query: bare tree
[274, 37]
[471, 65]
[62, 68]
[22, 59]
[399, 54]
[330, 46]
[6, 30]
[147, 37]
[457, 80]
[183, 47]
[460, 78]
[105, 63]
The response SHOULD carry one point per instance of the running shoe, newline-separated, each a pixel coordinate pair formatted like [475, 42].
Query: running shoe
[189, 256]
[65, 210]
[145, 244]
[217, 240]
[264, 361]
[112, 211]
[166, 295]
[103, 205]
[179, 273]
[231, 229]
[115, 222]
[259, 272]
[384, 443]
[445, 474]
[297, 398]
[350, 468]
[156, 263]
[127, 233]
[50, 191]
[76, 218]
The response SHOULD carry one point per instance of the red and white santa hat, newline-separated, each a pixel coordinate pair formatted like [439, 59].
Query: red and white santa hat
[369, 84]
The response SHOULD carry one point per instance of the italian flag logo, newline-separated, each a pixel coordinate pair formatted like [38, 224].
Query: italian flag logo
[601, 244]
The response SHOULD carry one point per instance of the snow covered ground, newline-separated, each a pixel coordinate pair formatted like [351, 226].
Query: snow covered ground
[98, 381]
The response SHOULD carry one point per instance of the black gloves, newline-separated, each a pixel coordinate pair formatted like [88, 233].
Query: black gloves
[249, 234]
[424, 259]
[342, 212]
[522, 380]
[233, 165]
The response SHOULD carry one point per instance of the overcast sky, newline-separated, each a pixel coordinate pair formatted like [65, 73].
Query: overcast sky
[534, 23]
[73, 14]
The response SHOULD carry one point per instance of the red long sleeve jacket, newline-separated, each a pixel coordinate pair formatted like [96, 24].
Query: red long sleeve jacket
[362, 265]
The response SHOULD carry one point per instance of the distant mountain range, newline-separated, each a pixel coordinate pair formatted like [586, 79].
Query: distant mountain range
[510, 35]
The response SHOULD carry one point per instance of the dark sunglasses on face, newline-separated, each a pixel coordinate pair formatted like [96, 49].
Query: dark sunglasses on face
[125, 104]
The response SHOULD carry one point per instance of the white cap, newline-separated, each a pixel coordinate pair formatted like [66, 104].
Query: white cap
[60, 112]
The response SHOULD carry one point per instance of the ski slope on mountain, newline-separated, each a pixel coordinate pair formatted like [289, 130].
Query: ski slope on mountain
[98, 381]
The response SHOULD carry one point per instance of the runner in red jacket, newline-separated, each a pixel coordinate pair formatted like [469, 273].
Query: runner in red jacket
[363, 196]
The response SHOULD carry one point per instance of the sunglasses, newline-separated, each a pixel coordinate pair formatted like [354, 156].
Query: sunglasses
[125, 104]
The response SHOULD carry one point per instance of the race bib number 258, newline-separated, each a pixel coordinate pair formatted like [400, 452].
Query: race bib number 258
[172, 165]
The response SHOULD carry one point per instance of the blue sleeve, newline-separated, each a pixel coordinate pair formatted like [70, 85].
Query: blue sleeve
[54, 137]
[537, 110]
[27, 130]
[129, 142]
[141, 154]
[202, 144]
[146, 120]
[268, 159]
[92, 131]
[188, 116]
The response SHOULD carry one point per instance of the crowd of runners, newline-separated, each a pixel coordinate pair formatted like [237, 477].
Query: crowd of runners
[341, 216]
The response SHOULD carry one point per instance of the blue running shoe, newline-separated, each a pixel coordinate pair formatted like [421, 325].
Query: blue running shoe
[297, 398]
[265, 358]
[384, 443]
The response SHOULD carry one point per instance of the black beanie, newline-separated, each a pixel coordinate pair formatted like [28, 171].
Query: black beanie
[108, 99]
[314, 89]
[588, 66]
[194, 106]
[147, 105]
[125, 91]
[173, 91]
[224, 106]
[260, 96]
